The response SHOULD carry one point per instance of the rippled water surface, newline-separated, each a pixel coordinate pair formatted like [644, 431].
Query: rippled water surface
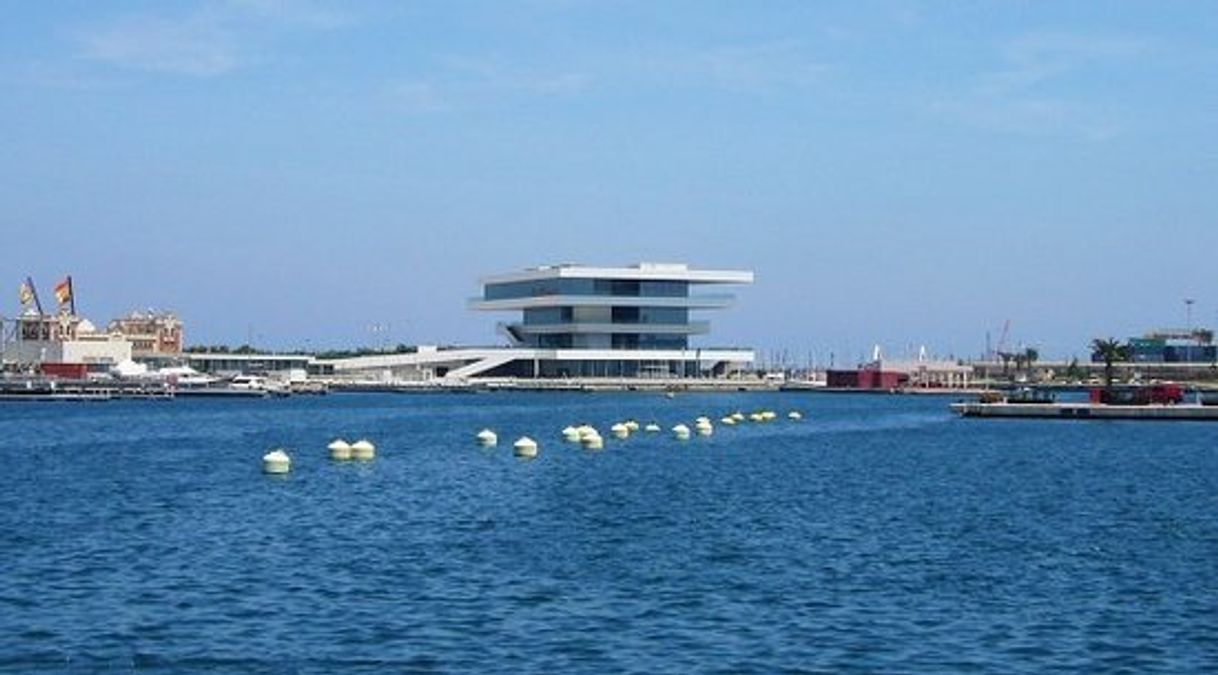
[878, 534]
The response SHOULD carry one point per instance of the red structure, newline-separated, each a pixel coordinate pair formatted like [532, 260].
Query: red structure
[65, 371]
[866, 378]
[1160, 394]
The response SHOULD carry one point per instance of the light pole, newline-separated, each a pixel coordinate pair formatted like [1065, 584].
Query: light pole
[1188, 315]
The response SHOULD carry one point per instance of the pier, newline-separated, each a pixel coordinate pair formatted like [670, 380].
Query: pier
[1088, 411]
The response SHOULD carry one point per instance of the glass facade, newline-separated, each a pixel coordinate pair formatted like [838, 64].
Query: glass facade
[560, 368]
[570, 308]
[575, 315]
[547, 316]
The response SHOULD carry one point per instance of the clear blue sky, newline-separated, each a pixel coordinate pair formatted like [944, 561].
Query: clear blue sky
[900, 173]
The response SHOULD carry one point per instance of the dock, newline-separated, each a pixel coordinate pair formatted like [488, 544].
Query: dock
[1179, 412]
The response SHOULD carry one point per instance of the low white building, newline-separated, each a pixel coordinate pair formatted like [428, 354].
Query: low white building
[36, 339]
[927, 373]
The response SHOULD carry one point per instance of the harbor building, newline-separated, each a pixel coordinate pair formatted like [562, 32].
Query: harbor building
[63, 344]
[578, 321]
[611, 321]
[923, 372]
[282, 367]
[152, 334]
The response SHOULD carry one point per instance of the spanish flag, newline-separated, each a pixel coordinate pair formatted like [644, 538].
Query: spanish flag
[26, 294]
[63, 291]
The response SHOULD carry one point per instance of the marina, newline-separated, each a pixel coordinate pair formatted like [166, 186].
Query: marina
[600, 338]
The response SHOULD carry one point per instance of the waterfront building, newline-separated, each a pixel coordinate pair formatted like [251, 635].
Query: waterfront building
[152, 334]
[585, 321]
[920, 373]
[34, 340]
[611, 321]
[284, 367]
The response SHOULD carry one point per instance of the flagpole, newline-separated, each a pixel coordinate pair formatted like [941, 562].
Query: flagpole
[37, 303]
[71, 296]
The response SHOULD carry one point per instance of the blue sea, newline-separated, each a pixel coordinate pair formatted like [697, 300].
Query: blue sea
[878, 534]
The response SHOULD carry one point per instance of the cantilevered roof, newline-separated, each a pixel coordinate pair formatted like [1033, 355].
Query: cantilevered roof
[639, 272]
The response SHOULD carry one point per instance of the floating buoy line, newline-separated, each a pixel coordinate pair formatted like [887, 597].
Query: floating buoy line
[278, 462]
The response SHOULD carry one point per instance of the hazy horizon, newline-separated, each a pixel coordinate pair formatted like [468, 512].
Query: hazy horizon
[298, 174]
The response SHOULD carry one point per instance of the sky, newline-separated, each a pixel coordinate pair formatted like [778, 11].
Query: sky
[326, 175]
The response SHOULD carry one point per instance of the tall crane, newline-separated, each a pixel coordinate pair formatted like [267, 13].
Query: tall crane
[1002, 339]
[1001, 349]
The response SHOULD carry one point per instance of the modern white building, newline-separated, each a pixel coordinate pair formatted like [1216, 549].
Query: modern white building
[583, 321]
[633, 321]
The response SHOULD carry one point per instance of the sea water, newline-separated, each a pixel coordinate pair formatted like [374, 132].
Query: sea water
[879, 533]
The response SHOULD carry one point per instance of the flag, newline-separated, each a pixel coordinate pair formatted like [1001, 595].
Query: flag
[63, 291]
[26, 294]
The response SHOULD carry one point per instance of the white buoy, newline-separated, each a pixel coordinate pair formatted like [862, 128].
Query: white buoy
[632, 425]
[680, 432]
[703, 427]
[756, 417]
[768, 415]
[728, 421]
[738, 416]
[593, 442]
[487, 438]
[525, 447]
[795, 415]
[570, 434]
[363, 450]
[340, 450]
[620, 430]
[276, 461]
[651, 428]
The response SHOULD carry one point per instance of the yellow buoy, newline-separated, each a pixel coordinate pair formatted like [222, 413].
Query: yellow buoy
[276, 461]
[525, 447]
[703, 427]
[363, 450]
[632, 425]
[620, 430]
[738, 416]
[570, 434]
[487, 438]
[680, 432]
[756, 417]
[728, 421]
[340, 450]
[593, 442]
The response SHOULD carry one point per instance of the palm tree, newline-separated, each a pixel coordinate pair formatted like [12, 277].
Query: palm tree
[1110, 351]
[1030, 355]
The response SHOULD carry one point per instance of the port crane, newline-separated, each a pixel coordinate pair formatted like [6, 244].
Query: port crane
[1000, 350]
